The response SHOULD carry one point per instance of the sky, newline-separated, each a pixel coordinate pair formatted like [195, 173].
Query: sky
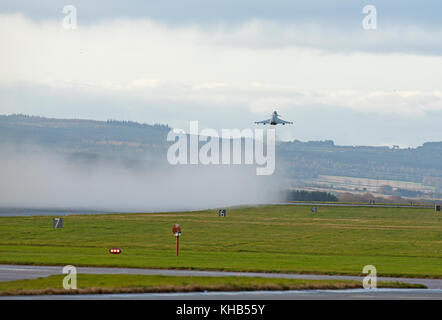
[230, 63]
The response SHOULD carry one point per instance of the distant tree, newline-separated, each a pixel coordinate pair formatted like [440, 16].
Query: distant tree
[352, 197]
[303, 195]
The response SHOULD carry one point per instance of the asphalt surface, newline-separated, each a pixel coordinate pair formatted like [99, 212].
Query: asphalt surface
[16, 272]
[357, 294]
[15, 212]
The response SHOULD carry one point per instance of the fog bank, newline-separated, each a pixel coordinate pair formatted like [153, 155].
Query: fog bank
[41, 179]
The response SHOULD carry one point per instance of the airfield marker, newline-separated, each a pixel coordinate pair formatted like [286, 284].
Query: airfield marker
[176, 230]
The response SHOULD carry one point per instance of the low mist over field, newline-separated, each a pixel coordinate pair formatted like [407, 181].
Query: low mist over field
[33, 179]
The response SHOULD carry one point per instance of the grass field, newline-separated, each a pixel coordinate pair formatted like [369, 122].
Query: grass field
[336, 240]
[117, 283]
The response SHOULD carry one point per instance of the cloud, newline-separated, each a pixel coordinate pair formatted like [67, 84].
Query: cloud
[258, 99]
[265, 34]
[115, 52]
[146, 70]
[172, 12]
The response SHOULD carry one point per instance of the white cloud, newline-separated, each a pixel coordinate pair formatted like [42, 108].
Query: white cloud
[260, 65]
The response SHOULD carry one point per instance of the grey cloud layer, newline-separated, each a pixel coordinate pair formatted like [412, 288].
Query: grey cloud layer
[338, 12]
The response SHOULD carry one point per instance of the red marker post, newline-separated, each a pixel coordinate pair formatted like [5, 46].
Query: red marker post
[176, 230]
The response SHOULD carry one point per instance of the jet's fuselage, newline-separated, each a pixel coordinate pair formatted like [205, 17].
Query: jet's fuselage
[274, 120]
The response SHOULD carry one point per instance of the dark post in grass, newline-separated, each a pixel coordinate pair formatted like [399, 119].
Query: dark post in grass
[176, 230]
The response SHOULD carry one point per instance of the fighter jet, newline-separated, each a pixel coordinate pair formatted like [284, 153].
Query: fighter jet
[274, 120]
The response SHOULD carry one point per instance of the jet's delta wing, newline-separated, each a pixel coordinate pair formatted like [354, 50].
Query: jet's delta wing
[283, 122]
[264, 122]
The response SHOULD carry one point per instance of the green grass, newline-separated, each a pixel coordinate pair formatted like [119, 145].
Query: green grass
[336, 240]
[92, 284]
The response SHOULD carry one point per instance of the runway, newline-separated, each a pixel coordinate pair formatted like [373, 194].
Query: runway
[355, 294]
[17, 272]
[434, 291]
[17, 212]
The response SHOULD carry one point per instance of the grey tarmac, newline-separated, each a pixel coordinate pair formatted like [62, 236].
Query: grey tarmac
[17, 272]
[356, 294]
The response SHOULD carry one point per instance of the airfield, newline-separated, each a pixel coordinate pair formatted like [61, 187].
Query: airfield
[278, 241]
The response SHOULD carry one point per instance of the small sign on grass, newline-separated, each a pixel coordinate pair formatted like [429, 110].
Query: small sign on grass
[57, 223]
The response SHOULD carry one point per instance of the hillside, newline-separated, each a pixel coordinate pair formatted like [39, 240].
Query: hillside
[300, 161]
